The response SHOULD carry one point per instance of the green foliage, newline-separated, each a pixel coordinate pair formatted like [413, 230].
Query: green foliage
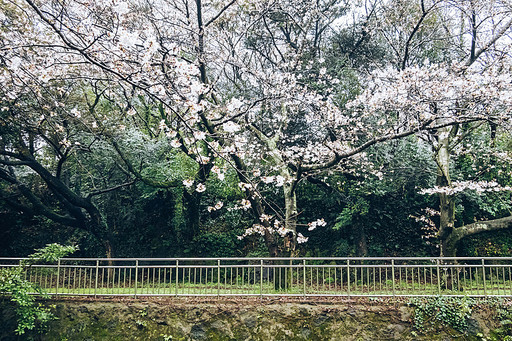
[29, 314]
[492, 244]
[215, 245]
[504, 316]
[14, 285]
[450, 311]
[350, 212]
[51, 253]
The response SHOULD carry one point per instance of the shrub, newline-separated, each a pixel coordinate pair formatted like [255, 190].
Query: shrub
[30, 314]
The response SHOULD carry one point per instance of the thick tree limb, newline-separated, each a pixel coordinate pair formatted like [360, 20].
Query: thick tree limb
[475, 228]
[337, 157]
[36, 205]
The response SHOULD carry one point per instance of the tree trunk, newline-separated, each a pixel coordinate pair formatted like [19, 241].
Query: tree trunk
[191, 207]
[446, 221]
[283, 274]
[192, 204]
[110, 254]
[446, 201]
[290, 222]
[360, 240]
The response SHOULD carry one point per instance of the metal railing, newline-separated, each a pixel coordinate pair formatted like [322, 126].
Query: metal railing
[348, 277]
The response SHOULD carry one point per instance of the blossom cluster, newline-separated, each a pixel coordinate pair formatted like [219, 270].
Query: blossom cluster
[422, 94]
[314, 224]
[459, 186]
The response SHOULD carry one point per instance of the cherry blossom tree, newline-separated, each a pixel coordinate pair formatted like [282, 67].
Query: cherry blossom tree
[469, 82]
[435, 97]
[246, 85]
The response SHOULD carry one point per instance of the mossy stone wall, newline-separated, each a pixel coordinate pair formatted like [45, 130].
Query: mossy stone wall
[239, 319]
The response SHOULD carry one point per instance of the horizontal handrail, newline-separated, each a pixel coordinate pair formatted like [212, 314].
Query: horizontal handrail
[270, 258]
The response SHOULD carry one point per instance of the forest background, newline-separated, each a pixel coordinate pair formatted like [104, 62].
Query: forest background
[162, 128]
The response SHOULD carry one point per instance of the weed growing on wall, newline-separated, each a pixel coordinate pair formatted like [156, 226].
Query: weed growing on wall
[450, 311]
[14, 285]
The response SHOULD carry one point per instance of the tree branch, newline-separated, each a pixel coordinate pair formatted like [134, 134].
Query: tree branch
[475, 54]
[220, 13]
[337, 157]
[475, 228]
[37, 205]
[106, 190]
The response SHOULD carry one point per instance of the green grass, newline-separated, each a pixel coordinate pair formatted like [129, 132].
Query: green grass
[235, 282]
[268, 288]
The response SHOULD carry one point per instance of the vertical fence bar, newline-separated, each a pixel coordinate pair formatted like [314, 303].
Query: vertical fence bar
[96, 280]
[74, 278]
[393, 276]
[177, 277]
[438, 278]
[124, 282]
[335, 278]
[355, 277]
[79, 280]
[154, 277]
[255, 276]
[136, 278]
[374, 270]
[510, 280]
[323, 278]
[503, 273]
[483, 277]
[304, 277]
[108, 277]
[218, 277]
[142, 271]
[261, 278]
[20, 264]
[452, 279]
[58, 278]
[471, 281]
[464, 276]
[348, 277]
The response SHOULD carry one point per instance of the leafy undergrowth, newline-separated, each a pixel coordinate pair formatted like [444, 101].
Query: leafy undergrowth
[15, 287]
[452, 311]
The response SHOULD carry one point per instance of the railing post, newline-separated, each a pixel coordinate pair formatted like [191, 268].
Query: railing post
[348, 277]
[483, 277]
[58, 278]
[438, 278]
[96, 277]
[304, 276]
[218, 277]
[20, 264]
[261, 278]
[177, 277]
[136, 278]
[393, 276]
